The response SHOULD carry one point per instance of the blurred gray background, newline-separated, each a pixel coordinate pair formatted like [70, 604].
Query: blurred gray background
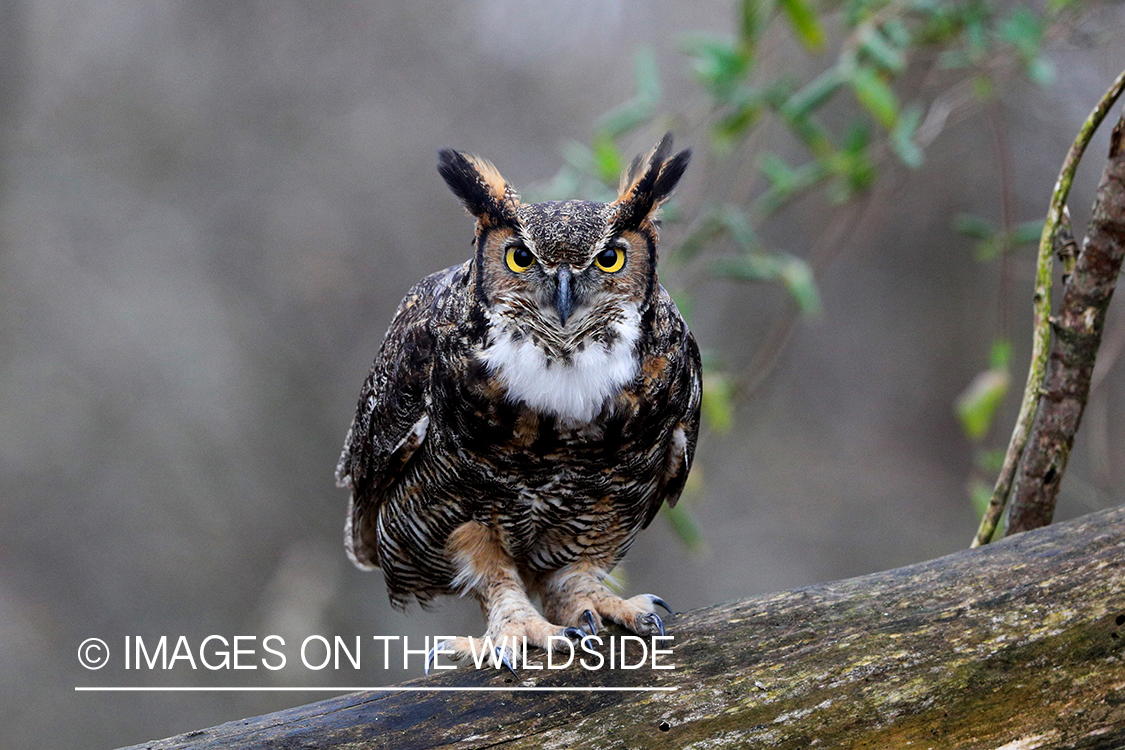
[210, 211]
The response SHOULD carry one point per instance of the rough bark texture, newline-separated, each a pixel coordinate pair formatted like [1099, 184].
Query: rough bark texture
[1019, 644]
[1077, 330]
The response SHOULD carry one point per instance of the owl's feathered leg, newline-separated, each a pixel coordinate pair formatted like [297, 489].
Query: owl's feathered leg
[578, 595]
[486, 570]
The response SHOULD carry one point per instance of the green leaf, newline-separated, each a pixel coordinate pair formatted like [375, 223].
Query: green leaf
[788, 182]
[642, 107]
[974, 226]
[793, 272]
[717, 403]
[733, 126]
[860, 176]
[719, 219]
[775, 169]
[857, 138]
[720, 65]
[1027, 232]
[882, 51]
[902, 137]
[707, 230]
[607, 159]
[565, 185]
[646, 75]
[804, 21]
[982, 87]
[980, 495]
[954, 59]
[779, 91]
[992, 249]
[852, 164]
[579, 157]
[815, 93]
[748, 267]
[897, 33]
[858, 11]
[994, 242]
[738, 226]
[1023, 29]
[1041, 71]
[754, 15]
[989, 461]
[876, 95]
[977, 405]
[938, 26]
[684, 525]
[797, 275]
[976, 32]
[684, 302]
[1000, 354]
[812, 134]
[624, 118]
[745, 109]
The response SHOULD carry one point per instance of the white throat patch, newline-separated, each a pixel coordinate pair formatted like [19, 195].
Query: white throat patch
[574, 392]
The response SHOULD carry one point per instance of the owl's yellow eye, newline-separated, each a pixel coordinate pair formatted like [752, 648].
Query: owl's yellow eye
[610, 260]
[519, 258]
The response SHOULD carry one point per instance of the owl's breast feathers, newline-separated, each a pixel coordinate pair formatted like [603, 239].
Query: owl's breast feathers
[454, 422]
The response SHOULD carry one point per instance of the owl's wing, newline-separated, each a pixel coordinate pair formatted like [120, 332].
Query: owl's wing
[685, 392]
[392, 416]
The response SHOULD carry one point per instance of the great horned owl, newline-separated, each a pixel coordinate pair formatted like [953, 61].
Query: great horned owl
[528, 412]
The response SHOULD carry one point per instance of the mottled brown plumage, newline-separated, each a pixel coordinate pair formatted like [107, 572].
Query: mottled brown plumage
[528, 411]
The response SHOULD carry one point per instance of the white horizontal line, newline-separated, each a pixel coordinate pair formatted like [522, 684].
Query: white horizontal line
[368, 689]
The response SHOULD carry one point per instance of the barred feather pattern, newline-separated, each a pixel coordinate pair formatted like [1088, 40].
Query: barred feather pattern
[442, 438]
[559, 492]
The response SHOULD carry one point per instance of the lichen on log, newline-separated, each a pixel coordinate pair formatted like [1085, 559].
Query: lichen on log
[1019, 644]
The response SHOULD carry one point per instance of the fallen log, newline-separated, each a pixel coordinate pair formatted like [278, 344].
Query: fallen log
[1019, 644]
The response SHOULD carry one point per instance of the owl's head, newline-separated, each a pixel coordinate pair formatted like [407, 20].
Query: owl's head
[562, 263]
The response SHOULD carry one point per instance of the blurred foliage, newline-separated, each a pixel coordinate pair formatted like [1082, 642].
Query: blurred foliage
[992, 240]
[862, 113]
[977, 404]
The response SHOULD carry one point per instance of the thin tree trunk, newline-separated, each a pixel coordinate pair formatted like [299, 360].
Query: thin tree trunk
[1077, 334]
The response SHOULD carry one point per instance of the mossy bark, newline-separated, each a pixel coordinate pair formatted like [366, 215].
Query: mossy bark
[1019, 644]
[1078, 326]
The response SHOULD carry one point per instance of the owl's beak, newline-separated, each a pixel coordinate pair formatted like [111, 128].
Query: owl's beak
[564, 297]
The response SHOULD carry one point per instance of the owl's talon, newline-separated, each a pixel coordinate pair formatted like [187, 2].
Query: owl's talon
[653, 621]
[659, 603]
[431, 657]
[503, 654]
[574, 633]
[593, 626]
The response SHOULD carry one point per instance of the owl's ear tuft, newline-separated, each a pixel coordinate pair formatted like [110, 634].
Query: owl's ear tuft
[483, 191]
[648, 182]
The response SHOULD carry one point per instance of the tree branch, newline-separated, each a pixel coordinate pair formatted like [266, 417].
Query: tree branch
[1022, 640]
[1078, 334]
[1042, 337]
